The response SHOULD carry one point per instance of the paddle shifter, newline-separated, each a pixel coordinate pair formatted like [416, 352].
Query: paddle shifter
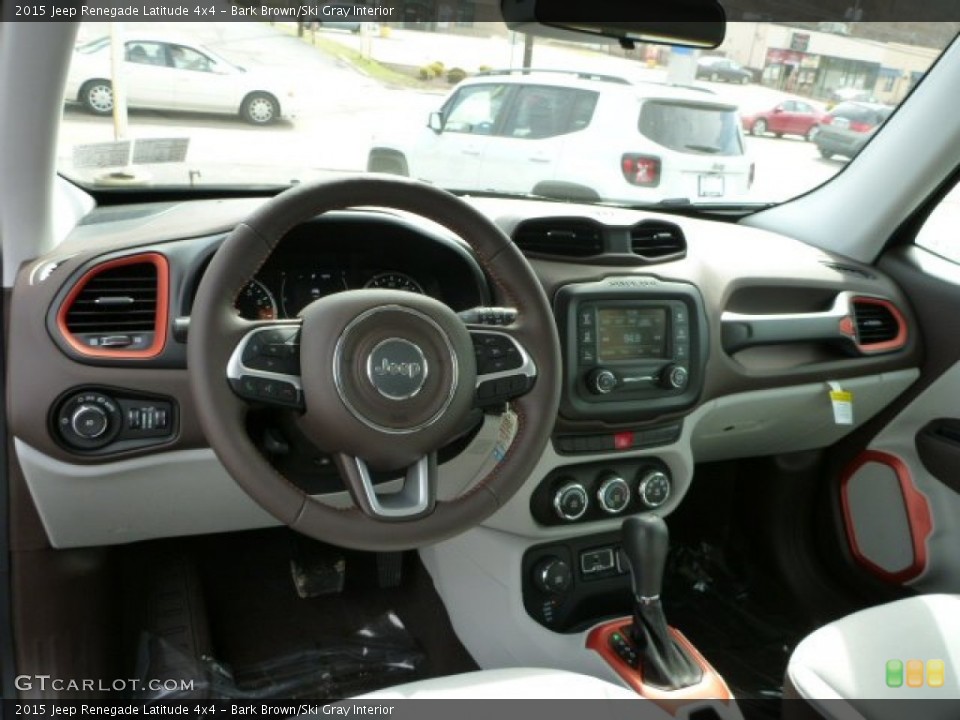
[664, 664]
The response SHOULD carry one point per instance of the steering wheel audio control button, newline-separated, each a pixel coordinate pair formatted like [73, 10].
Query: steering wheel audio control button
[504, 369]
[265, 366]
[270, 390]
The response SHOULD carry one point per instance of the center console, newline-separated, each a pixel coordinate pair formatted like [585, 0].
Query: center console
[635, 347]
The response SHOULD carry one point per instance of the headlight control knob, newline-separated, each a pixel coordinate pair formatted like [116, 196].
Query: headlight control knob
[89, 421]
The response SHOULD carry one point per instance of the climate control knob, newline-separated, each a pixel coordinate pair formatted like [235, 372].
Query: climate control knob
[571, 501]
[89, 421]
[602, 382]
[654, 488]
[613, 494]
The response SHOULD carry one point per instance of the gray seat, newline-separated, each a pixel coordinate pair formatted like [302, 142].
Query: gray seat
[509, 684]
[840, 670]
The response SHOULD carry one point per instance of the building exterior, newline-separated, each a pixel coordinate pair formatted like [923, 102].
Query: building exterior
[817, 64]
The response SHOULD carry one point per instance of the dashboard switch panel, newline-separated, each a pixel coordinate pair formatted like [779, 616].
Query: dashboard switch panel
[602, 490]
[103, 421]
[635, 347]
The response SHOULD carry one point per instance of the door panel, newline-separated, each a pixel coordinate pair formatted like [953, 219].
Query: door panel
[150, 82]
[453, 158]
[918, 436]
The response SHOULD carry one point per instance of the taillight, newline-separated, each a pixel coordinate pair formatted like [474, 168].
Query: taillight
[641, 170]
[752, 175]
[861, 127]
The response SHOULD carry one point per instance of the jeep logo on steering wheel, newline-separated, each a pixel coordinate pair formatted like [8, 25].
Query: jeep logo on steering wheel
[397, 368]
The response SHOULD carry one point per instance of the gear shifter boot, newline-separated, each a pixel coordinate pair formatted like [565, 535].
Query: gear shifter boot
[663, 662]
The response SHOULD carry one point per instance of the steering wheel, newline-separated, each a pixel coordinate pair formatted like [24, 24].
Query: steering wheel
[379, 379]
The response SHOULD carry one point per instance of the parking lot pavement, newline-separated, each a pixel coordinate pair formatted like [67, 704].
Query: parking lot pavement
[341, 110]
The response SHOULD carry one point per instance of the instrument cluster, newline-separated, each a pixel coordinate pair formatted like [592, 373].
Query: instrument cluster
[285, 294]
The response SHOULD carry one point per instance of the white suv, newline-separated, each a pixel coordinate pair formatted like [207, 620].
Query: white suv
[576, 136]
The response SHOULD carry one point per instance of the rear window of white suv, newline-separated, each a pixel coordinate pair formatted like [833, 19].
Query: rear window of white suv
[691, 128]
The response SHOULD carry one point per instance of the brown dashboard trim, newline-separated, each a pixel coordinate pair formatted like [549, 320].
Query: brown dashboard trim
[160, 316]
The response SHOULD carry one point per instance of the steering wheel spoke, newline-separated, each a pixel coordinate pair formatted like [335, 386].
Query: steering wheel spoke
[264, 367]
[415, 499]
[505, 370]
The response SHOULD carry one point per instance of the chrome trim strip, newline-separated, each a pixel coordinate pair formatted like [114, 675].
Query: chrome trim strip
[413, 499]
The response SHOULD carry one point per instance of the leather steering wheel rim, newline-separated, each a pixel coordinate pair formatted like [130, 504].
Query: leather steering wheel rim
[216, 329]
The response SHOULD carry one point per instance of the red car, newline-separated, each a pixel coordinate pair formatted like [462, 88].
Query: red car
[791, 117]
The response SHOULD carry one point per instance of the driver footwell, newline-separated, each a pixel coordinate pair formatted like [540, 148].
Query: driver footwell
[224, 613]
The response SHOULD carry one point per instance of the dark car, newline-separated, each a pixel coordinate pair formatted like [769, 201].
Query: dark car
[791, 117]
[717, 68]
[848, 127]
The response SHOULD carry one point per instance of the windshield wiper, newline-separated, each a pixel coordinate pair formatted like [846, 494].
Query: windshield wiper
[704, 149]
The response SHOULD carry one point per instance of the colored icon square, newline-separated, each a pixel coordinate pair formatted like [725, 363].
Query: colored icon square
[894, 673]
[914, 673]
[935, 673]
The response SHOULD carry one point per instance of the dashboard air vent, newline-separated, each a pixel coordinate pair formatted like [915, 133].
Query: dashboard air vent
[560, 238]
[657, 241]
[118, 309]
[878, 323]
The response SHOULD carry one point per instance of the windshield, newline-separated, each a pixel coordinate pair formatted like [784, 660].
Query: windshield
[470, 106]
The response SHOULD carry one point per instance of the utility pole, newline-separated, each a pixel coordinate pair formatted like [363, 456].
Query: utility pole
[117, 83]
[527, 51]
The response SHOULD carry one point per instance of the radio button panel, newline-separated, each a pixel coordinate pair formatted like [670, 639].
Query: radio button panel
[635, 347]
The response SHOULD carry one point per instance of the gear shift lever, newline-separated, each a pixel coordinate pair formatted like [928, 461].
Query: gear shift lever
[645, 541]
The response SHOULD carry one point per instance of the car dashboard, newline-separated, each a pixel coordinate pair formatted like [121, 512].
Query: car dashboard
[684, 341]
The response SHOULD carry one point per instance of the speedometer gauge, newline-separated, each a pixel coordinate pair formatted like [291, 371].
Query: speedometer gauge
[255, 302]
[394, 281]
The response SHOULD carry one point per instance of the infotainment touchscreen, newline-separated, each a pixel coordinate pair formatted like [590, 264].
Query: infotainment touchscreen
[631, 333]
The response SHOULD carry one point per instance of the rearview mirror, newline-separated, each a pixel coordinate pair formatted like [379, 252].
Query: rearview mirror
[435, 122]
[687, 23]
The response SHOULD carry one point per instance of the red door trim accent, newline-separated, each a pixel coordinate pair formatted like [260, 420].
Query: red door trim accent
[919, 517]
[710, 687]
[160, 318]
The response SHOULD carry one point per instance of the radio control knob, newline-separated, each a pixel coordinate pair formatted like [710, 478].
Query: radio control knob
[675, 377]
[570, 502]
[654, 488]
[613, 494]
[89, 421]
[602, 382]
